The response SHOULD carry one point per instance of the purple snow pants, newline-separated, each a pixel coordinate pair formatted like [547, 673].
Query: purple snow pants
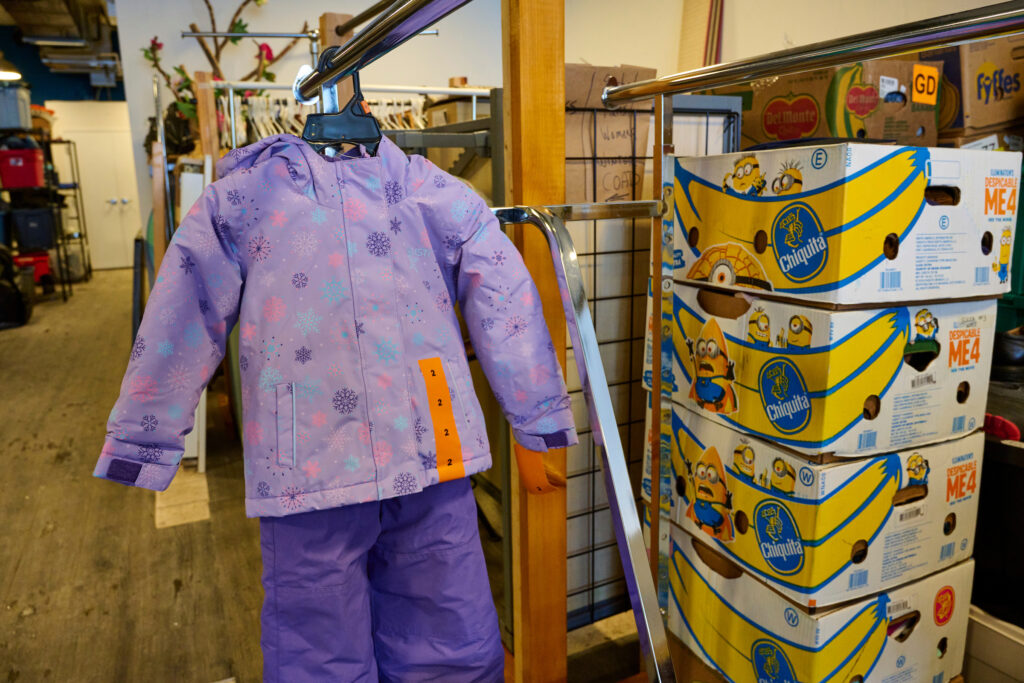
[395, 590]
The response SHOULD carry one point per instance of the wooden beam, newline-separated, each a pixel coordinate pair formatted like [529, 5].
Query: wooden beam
[534, 82]
[329, 21]
[206, 115]
[158, 161]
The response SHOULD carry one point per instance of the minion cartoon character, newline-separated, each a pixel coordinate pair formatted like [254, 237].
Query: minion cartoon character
[789, 181]
[1002, 268]
[925, 325]
[917, 470]
[743, 461]
[713, 371]
[798, 334]
[783, 477]
[746, 177]
[759, 328]
[711, 508]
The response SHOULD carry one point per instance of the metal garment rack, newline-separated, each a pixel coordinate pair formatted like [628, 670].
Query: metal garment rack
[75, 189]
[625, 520]
[370, 44]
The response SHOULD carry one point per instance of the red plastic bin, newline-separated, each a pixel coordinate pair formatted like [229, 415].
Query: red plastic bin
[21, 167]
[39, 259]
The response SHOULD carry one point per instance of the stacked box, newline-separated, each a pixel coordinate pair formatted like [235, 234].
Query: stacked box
[826, 348]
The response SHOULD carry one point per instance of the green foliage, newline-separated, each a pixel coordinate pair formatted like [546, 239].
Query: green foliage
[188, 109]
[238, 27]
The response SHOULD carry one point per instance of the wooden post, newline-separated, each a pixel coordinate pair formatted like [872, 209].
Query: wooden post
[158, 160]
[329, 21]
[534, 83]
[206, 115]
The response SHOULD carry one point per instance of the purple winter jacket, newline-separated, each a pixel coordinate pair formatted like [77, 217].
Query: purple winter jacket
[342, 275]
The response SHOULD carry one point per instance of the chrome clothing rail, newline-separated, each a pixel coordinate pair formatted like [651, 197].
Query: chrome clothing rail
[951, 29]
[628, 531]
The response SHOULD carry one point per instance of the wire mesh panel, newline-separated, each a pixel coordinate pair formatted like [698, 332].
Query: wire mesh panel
[612, 162]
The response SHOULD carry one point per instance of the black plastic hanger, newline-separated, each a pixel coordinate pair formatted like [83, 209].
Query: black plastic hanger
[353, 125]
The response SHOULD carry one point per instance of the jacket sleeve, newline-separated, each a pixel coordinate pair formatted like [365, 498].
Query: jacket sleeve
[502, 310]
[181, 340]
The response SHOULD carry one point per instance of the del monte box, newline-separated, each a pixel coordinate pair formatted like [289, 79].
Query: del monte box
[874, 100]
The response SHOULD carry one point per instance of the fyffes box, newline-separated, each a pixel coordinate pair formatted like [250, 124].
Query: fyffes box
[847, 224]
[738, 625]
[821, 534]
[848, 382]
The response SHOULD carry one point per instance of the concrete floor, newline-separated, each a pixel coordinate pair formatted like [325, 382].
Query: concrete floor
[90, 589]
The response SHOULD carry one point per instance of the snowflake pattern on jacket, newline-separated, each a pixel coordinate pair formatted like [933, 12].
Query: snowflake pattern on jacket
[341, 275]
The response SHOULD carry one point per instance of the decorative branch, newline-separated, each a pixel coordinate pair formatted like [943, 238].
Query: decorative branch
[231, 25]
[213, 19]
[271, 57]
[206, 51]
[152, 55]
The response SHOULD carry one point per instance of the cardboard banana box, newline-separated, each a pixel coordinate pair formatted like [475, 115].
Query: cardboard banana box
[751, 634]
[848, 383]
[847, 224]
[822, 533]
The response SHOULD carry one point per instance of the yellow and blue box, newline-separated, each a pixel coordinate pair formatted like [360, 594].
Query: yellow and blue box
[848, 223]
[751, 634]
[843, 382]
[821, 534]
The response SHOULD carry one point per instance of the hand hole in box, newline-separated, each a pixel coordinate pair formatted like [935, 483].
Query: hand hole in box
[942, 195]
[941, 648]
[963, 392]
[986, 243]
[872, 404]
[760, 241]
[741, 522]
[859, 553]
[891, 246]
[693, 237]
[949, 524]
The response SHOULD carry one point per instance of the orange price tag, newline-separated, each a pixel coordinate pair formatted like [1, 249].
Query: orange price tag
[446, 436]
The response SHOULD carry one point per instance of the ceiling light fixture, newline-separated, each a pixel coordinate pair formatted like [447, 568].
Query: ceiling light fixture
[8, 72]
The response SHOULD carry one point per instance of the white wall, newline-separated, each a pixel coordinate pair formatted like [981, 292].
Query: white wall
[612, 32]
[753, 27]
[469, 45]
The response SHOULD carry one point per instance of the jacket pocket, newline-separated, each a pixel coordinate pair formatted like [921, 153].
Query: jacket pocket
[285, 424]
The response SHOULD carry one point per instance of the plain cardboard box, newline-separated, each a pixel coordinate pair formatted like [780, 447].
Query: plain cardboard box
[846, 528]
[842, 102]
[994, 138]
[850, 382]
[604, 149]
[981, 84]
[848, 224]
[750, 633]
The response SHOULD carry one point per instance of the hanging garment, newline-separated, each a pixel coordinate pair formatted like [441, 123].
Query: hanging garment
[383, 591]
[342, 275]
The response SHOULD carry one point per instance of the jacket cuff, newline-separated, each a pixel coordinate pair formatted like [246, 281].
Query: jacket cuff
[546, 442]
[124, 470]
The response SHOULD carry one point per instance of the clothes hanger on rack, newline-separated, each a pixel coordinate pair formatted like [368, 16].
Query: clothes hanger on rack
[353, 125]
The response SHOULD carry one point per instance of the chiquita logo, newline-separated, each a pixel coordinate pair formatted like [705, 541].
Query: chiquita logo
[800, 247]
[784, 395]
[778, 537]
[790, 118]
[861, 100]
[995, 84]
[771, 665]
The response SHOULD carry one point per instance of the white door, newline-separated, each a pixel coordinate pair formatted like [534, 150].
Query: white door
[103, 137]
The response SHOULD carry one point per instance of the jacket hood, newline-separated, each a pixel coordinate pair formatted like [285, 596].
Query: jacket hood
[315, 175]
